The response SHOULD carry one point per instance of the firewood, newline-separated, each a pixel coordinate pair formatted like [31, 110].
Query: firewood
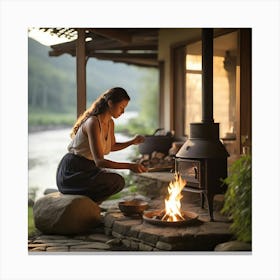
[157, 155]
[179, 218]
[154, 161]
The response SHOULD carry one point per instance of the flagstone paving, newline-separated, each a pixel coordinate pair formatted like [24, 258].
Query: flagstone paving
[119, 233]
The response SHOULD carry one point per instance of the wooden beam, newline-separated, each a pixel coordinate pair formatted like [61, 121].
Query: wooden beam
[114, 45]
[148, 59]
[58, 50]
[136, 62]
[119, 55]
[112, 34]
[81, 71]
[104, 43]
[64, 46]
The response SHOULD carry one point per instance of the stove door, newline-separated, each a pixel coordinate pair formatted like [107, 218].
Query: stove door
[191, 171]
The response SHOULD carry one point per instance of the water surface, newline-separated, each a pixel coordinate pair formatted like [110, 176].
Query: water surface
[45, 150]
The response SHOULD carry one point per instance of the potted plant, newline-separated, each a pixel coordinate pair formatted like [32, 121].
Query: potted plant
[238, 198]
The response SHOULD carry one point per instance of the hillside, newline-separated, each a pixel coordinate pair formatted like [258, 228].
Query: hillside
[52, 80]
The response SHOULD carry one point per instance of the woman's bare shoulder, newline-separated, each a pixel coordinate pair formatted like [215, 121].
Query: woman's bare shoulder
[92, 119]
[91, 123]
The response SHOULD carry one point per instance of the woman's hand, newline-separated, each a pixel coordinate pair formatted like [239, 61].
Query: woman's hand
[138, 168]
[138, 139]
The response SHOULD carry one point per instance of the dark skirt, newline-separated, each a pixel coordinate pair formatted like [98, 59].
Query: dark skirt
[79, 175]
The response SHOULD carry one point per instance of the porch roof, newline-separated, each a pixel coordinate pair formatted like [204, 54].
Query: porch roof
[136, 46]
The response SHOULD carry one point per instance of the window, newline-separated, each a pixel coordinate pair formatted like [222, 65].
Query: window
[225, 64]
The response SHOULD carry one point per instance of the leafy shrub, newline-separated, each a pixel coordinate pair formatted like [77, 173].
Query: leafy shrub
[238, 198]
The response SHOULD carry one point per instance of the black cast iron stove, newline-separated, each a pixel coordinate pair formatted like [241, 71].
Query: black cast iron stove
[202, 160]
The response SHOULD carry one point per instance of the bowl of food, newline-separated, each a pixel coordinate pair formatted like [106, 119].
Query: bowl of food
[134, 207]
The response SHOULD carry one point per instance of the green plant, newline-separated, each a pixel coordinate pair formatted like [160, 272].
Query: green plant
[31, 226]
[238, 198]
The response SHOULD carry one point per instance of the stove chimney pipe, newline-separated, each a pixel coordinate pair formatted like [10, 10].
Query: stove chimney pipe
[204, 141]
[207, 75]
[203, 158]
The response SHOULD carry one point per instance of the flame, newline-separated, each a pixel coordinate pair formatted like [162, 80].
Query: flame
[172, 202]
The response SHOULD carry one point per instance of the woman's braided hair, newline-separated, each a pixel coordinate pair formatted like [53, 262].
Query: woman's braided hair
[116, 95]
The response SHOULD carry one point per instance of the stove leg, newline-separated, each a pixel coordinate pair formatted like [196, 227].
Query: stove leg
[202, 199]
[210, 198]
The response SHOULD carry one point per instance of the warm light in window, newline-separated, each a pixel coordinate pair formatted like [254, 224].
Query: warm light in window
[225, 84]
[193, 62]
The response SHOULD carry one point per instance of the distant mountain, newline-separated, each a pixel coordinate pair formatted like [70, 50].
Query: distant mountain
[52, 80]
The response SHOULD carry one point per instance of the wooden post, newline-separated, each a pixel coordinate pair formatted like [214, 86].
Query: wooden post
[246, 86]
[81, 72]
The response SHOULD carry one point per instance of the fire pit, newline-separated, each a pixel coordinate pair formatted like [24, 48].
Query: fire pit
[155, 217]
[172, 214]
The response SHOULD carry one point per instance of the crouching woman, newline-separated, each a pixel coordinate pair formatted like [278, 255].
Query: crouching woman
[84, 170]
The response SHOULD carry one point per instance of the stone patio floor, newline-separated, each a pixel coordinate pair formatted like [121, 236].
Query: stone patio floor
[119, 233]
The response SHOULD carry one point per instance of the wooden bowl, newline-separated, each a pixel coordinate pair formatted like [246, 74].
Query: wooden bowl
[133, 207]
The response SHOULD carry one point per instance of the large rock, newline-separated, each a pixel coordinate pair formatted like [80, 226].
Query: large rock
[233, 246]
[58, 213]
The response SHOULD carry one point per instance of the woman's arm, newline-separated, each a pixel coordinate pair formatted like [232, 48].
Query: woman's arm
[116, 146]
[92, 129]
[120, 146]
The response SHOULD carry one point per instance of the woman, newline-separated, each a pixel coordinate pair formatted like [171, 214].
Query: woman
[83, 169]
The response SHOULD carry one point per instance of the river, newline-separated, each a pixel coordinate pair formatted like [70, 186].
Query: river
[46, 148]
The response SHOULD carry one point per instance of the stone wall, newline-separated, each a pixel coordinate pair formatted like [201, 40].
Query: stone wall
[139, 235]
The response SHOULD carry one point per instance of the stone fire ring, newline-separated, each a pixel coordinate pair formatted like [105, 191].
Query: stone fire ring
[151, 217]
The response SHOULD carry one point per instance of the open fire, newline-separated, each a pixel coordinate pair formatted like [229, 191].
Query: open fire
[172, 215]
[173, 201]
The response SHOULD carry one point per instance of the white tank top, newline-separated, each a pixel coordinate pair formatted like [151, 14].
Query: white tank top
[80, 144]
